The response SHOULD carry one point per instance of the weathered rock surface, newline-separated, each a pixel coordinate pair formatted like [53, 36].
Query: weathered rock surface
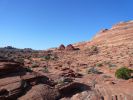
[15, 80]
[41, 92]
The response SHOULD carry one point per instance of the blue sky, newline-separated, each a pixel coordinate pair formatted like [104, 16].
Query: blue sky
[41, 24]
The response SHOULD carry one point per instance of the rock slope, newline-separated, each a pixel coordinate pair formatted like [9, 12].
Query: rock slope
[82, 71]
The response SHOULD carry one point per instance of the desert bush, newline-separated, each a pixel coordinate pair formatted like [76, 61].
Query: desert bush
[45, 70]
[123, 73]
[64, 80]
[28, 69]
[20, 60]
[34, 65]
[111, 65]
[93, 71]
[53, 57]
[94, 49]
[99, 64]
[48, 57]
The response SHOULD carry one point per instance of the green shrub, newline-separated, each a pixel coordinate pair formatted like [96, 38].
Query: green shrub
[123, 73]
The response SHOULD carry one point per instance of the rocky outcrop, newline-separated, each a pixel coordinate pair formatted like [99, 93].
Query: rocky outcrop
[7, 67]
[13, 86]
[41, 92]
[35, 78]
[10, 82]
[73, 88]
[70, 47]
[15, 80]
[61, 47]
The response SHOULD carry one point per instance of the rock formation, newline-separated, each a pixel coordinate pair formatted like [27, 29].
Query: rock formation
[67, 75]
[61, 47]
[70, 47]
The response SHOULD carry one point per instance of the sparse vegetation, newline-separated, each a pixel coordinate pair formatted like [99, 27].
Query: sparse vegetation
[48, 57]
[94, 48]
[63, 80]
[99, 64]
[106, 76]
[20, 60]
[69, 64]
[46, 70]
[111, 65]
[34, 65]
[28, 69]
[93, 71]
[123, 73]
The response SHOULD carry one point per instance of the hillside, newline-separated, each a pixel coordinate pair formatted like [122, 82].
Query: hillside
[81, 71]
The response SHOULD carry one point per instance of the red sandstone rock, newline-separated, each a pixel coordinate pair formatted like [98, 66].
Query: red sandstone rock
[61, 47]
[70, 47]
[41, 92]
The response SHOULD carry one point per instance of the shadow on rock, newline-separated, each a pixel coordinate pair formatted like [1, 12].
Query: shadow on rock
[72, 89]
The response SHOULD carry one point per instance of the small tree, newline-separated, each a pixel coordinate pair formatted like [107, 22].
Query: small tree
[123, 73]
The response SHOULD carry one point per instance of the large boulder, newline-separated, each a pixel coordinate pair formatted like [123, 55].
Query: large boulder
[61, 47]
[70, 47]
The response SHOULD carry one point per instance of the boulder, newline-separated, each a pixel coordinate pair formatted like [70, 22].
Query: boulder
[61, 47]
[70, 47]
